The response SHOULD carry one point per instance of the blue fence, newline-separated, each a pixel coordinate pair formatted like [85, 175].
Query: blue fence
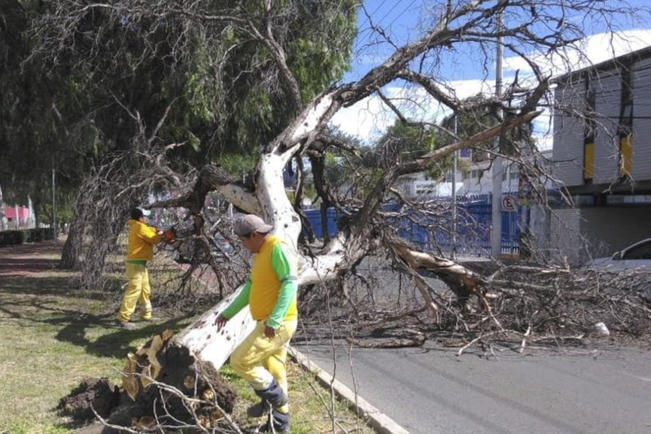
[474, 220]
[435, 232]
[314, 216]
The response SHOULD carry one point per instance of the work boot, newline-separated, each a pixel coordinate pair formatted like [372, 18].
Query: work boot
[276, 422]
[126, 325]
[274, 395]
[145, 313]
[259, 409]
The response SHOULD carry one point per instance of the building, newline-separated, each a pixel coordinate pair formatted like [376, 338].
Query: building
[473, 178]
[602, 154]
[17, 217]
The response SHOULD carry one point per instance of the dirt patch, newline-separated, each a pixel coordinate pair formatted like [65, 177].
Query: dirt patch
[92, 393]
[179, 391]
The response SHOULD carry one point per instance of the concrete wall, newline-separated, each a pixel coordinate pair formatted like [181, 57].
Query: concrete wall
[565, 239]
[615, 227]
[608, 230]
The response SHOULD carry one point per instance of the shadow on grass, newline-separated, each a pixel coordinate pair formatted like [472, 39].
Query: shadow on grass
[29, 299]
[26, 265]
[57, 286]
[114, 344]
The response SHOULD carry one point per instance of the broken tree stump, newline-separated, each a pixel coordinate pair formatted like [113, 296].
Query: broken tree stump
[162, 385]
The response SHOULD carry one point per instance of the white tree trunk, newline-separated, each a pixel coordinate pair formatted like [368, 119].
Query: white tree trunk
[202, 338]
[207, 344]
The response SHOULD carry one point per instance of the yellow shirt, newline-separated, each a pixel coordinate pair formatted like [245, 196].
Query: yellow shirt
[141, 241]
[265, 282]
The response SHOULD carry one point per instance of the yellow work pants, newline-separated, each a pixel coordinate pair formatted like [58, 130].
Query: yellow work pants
[137, 292]
[258, 358]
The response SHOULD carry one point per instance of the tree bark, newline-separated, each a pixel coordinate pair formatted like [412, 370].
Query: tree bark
[71, 253]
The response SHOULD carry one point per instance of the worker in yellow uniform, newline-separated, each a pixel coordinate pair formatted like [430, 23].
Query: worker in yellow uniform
[139, 250]
[270, 292]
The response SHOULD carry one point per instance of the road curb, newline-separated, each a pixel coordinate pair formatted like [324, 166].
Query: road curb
[379, 421]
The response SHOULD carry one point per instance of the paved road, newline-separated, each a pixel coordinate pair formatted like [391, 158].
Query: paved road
[432, 391]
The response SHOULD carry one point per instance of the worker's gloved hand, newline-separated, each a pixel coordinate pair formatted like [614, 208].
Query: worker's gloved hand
[220, 321]
[269, 331]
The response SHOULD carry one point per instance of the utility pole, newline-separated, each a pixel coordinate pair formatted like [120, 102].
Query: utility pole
[2, 213]
[54, 207]
[496, 231]
[454, 194]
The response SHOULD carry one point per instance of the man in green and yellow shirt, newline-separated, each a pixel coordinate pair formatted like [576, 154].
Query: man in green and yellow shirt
[139, 250]
[270, 292]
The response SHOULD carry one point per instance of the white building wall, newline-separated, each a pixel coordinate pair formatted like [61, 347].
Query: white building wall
[569, 134]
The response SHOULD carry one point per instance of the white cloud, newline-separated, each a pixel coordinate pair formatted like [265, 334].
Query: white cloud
[369, 118]
[594, 49]
[366, 120]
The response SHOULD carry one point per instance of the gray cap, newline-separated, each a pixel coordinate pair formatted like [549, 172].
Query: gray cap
[249, 223]
[136, 213]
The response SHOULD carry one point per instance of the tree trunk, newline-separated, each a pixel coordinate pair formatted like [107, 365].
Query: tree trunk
[71, 253]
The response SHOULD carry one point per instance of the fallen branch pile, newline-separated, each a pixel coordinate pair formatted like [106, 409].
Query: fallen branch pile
[529, 305]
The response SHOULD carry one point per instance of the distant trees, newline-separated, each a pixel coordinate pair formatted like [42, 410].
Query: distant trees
[83, 81]
[79, 82]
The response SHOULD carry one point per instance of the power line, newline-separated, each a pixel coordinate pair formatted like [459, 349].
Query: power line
[401, 13]
[379, 21]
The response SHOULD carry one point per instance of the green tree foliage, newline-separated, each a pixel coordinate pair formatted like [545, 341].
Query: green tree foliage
[82, 81]
[480, 115]
[32, 139]
[401, 142]
[415, 140]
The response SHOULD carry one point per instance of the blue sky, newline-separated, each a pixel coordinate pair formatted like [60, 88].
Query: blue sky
[404, 20]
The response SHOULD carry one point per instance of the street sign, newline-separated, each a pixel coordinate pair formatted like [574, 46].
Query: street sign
[509, 203]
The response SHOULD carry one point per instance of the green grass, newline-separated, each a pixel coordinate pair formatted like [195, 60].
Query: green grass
[53, 335]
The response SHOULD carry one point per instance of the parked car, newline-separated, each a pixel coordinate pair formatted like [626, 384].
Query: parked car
[635, 256]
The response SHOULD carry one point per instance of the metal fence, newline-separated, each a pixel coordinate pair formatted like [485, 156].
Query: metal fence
[435, 233]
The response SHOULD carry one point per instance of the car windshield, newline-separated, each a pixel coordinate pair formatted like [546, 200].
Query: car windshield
[641, 251]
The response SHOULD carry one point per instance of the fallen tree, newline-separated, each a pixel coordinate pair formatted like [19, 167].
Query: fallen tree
[365, 227]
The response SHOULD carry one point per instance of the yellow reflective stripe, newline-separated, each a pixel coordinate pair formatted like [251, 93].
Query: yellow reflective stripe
[588, 160]
[626, 155]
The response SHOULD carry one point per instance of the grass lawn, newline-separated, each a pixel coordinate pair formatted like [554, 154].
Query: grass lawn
[53, 335]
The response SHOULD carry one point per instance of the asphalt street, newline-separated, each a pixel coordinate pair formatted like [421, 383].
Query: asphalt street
[429, 390]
